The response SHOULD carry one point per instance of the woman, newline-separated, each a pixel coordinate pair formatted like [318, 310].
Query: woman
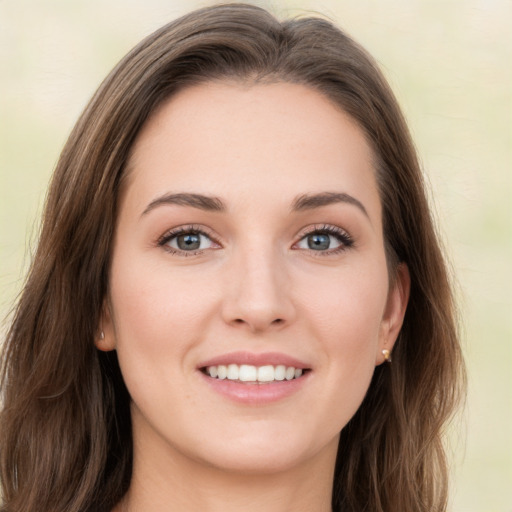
[235, 241]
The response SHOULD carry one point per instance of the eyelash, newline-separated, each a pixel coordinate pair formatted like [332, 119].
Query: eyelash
[345, 240]
[184, 230]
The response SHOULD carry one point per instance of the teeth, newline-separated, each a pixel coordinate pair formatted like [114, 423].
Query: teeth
[222, 371]
[233, 372]
[280, 372]
[249, 373]
[266, 373]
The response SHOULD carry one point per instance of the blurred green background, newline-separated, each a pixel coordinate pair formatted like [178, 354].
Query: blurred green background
[450, 64]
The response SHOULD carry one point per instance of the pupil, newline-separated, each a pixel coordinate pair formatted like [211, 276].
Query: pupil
[189, 242]
[318, 242]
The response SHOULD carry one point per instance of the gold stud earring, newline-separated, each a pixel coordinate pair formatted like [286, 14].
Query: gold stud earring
[387, 355]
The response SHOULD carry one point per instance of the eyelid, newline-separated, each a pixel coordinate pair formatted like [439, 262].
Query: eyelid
[345, 239]
[184, 229]
[343, 236]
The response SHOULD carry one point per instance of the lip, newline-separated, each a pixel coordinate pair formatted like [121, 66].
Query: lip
[253, 393]
[254, 359]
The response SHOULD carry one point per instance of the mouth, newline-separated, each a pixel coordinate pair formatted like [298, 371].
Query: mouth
[255, 378]
[246, 373]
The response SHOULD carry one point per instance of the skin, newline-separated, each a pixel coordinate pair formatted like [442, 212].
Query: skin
[255, 286]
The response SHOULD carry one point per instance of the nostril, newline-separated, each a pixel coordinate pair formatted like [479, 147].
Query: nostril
[239, 321]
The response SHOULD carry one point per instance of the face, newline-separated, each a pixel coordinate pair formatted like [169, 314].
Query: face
[249, 296]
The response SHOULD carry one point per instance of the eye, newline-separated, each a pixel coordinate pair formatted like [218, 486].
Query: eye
[327, 239]
[187, 240]
[319, 242]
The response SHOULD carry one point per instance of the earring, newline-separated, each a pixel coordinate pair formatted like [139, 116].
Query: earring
[102, 335]
[387, 355]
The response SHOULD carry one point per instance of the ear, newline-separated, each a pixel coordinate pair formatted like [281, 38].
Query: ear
[105, 339]
[394, 314]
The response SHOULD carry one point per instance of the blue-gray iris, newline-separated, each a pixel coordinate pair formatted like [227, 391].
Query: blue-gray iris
[318, 242]
[189, 241]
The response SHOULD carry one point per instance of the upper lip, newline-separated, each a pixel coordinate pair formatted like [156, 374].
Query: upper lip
[250, 358]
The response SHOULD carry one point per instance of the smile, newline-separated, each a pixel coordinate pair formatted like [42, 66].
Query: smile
[255, 378]
[250, 373]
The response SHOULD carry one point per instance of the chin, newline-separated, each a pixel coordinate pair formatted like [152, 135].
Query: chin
[266, 453]
[257, 462]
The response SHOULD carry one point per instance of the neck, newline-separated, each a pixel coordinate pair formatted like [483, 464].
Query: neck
[175, 482]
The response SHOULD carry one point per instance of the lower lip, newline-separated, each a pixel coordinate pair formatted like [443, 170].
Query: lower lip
[253, 393]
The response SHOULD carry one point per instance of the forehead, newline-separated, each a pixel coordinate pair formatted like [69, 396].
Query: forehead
[219, 137]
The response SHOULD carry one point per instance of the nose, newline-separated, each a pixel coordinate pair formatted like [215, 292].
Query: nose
[258, 294]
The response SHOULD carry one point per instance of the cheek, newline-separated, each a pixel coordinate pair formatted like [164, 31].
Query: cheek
[151, 305]
[345, 314]
[160, 318]
[348, 307]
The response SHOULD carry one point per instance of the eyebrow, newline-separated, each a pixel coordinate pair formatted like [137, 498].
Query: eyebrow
[311, 201]
[207, 203]
[215, 204]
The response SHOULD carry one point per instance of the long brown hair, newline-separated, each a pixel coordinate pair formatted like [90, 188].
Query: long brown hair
[65, 434]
